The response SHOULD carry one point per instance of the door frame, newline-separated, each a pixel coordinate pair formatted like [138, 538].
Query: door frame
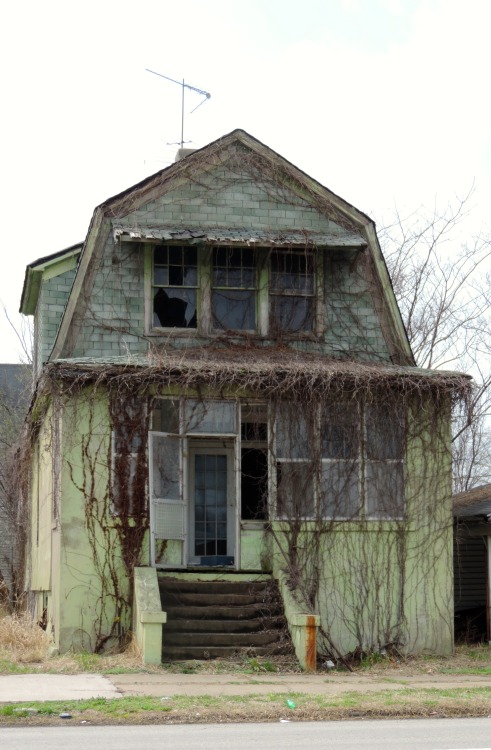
[214, 446]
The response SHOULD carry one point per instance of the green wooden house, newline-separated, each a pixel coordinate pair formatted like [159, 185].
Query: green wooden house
[226, 392]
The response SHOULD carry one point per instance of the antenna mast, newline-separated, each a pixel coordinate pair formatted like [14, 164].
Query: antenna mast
[183, 85]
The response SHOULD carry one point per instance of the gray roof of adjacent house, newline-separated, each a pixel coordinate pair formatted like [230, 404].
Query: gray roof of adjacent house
[474, 503]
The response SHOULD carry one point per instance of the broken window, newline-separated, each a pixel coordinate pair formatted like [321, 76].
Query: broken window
[165, 416]
[219, 289]
[233, 296]
[175, 283]
[291, 291]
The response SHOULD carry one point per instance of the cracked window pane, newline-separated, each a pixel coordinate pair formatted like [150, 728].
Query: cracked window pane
[175, 281]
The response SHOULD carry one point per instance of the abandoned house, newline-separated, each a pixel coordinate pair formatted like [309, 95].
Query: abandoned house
[225, 395]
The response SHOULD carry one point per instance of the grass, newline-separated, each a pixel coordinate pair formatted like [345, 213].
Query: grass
[24, 648]
[22, 640]
[474, 660]
[179, 709]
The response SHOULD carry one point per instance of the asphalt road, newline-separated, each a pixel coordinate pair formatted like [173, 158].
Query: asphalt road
[423, 734]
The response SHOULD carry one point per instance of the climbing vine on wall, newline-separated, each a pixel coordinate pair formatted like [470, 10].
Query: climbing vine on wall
[338, 500]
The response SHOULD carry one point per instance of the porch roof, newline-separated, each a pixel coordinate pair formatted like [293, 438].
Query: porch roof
[257, 367]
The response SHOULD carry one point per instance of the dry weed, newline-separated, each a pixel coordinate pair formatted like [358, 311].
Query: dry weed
[22, 640]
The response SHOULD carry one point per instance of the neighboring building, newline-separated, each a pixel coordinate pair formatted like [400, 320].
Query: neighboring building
[15, 392]
[225, 389]
[472, 564]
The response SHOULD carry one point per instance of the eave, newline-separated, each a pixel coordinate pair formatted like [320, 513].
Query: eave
[265, 369]
[51, 265]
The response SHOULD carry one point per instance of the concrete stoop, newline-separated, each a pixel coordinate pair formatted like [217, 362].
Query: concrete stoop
[209, 619]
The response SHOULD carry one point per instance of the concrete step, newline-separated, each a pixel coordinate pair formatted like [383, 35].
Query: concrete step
[212, 612]
[201, 653]
[209, 619]
[233, 640]
[204, 599]
[171, 585]
[225, 626]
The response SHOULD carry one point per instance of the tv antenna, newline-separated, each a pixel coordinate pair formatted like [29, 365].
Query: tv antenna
[184, 85]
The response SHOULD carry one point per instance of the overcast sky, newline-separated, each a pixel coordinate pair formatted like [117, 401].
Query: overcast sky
[386, 102]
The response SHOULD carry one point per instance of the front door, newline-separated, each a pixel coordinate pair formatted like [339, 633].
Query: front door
[212, 516]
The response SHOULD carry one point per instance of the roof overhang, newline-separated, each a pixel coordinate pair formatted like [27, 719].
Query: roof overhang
[46, 267]
[254, 237]
[258, 368]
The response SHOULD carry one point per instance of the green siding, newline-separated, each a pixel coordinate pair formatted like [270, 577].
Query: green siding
[52, 299]
[114, 322]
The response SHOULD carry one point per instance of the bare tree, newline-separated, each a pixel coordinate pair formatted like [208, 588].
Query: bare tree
[15, 389]
[24, 332]
[443, 287]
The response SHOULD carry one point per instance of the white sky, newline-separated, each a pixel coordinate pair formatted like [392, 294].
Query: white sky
[386, 102]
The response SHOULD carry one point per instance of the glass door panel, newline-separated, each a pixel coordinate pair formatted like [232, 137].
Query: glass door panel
[212, 506]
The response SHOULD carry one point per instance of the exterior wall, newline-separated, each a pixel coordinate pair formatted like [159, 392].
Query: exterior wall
[379, 582]
[75, 565]
[227, 196]
[353, 326]
[42, 511]
[114, 323]
[53, 296]
[90, 560]
[387, 582]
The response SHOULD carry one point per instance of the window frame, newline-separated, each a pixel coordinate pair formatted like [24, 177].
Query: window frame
[283, 293]
[252, 289]
[360, 460]
[262, 291]
[183, 286]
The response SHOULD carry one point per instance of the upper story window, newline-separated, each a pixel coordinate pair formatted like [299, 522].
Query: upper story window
[175, 287]
[252, 290]
[291, 291]
[233, 295]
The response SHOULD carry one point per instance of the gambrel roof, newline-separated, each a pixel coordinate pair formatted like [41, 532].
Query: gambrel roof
[122, 217]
